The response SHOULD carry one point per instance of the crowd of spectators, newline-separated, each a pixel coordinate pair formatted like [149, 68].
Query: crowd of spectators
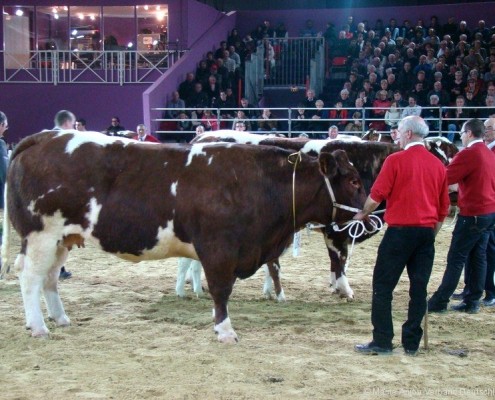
[392, 71]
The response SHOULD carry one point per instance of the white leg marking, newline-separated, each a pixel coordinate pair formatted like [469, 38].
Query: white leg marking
[184, 264]
[344, 288]
[268, 284]
[333, 282]
[196, 269]
[50, 290]
[225, 332]
[281, 296]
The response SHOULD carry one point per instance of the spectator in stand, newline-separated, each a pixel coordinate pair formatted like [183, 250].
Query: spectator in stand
[320, 118]
[115, 127]
[241, 116]
[367, 93]
[457, 86]
[463, 30]
[489, 111]
[423, 66]
[483, 30]
[359, 104]
[431, 115]
[474, 60]
[474, 90]
[380, 106]
[406, 77]
[199, 98]
[407, 30]
[226, 107]
[301, 121]
[233, 37]
[401, 103]
[333, 132]
[282, 33]
[212, 90]
[421, 77]
[143, 136]
[174, 105]
[219, 53]
[184, 123]
[186, 87]
[462, 50]
[308, 30]
[430, 57]
[344, 98]
[250, 112]
[269, 58]
[337, 115]
[392, 116]
[202, 72]
[209, 120]
[234, 56]
[419, 93]
[455, 117]
[392, 83]
[229, 63]
[373, 79]
[489, 75]
[210, 59]
[355, 124]
[266, 123]
[432, 39]
[412, 109]
[450, 28]
[384, 87]
[310, 100]
[411, 57]
[443, 96]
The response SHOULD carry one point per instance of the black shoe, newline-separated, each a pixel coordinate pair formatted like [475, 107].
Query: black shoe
[64, 274]
[489, 302]
[372, 349]
[467, 308]
[434, 308]
[459, 296]
[410, 353]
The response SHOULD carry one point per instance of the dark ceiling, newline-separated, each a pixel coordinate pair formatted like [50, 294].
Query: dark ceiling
[232, 5]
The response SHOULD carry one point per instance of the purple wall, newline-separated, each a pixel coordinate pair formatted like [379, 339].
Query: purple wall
[294, 19]
[31, 108]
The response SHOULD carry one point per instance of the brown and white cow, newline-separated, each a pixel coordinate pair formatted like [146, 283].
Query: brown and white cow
[366, 156]
[228, 205]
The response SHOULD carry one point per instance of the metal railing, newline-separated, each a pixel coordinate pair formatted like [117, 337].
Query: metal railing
[64, 66]
[296, 62]
[287, 122]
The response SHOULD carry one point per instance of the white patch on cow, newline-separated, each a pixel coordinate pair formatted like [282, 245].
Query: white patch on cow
[268, 283]
[196, 150]
[437, 139]
[168, 246]
[32, 204]
[317, 145]
[225, 332]
[173, 188]
[80, 138]
[333, 282]
[239, 137]
[93, 214]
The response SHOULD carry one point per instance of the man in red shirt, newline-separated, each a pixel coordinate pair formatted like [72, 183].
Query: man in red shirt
[474, 170]
[414, 184]
[142, 136]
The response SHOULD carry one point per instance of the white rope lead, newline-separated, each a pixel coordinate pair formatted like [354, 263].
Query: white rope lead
[356, 229]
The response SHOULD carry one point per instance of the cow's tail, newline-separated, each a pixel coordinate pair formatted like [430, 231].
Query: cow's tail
[5, 267]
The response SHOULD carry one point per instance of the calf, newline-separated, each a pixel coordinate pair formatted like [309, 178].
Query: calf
[234, 207]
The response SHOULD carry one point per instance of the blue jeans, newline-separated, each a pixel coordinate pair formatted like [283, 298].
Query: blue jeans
[468, 246]
[402, 247]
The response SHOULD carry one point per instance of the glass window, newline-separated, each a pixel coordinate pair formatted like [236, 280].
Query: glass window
[119, 27]
[152, 27]
[18, 36]
[85, 28]
[52, 28]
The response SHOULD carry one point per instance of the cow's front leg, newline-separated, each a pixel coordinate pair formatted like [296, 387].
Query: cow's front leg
[337, 251]
[220, 283]
[274, 270]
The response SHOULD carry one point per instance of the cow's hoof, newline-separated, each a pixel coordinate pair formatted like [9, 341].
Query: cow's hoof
[281, 296]
[63, 321]
[228, 338]
[41, 333]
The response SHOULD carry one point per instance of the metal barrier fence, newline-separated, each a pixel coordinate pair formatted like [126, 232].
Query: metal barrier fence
[293, 62]
[289, 125]
[115, 67]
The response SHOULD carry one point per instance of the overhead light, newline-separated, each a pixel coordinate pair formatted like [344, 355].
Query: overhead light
[81, 16]
[56, 16]
[146, 7]
[54, 10]
[74, 32]
[160, 16]
[130, 44]
[158, 8]
[92, 17]
[19, 12]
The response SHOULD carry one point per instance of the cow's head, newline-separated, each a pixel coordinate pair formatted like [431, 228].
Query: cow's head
[345, 183]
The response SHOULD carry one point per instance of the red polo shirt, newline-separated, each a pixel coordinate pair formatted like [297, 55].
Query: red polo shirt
[473, 169]
[414, 184]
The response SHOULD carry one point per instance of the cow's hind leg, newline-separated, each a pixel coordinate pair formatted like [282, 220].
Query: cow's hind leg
[196, 269]
[184, 264]
[54, 304]
[337, 251]
[272, 275]
[34, 266]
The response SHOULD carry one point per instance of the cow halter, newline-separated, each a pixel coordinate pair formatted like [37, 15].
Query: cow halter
[335, 205]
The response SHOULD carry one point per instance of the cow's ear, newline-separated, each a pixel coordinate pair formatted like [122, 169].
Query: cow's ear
[328, 164]
[343, 164]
